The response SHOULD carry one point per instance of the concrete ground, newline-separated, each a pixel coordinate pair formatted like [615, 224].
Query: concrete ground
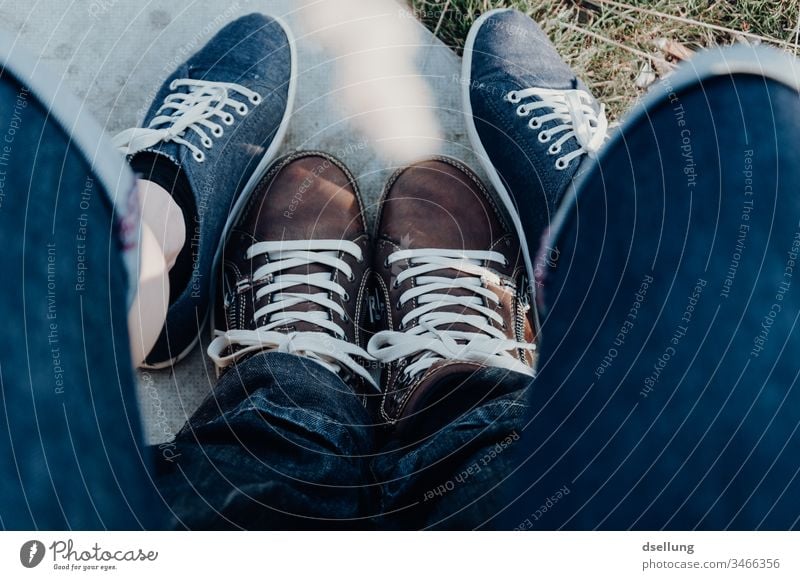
[375, 88]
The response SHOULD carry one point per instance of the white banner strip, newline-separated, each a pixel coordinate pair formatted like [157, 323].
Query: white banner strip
[387, 555]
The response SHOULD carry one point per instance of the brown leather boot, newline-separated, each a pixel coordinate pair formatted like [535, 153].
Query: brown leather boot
[452, 274]
[295, 270]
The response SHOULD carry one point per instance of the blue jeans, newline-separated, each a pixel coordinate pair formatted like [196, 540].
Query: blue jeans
[667, 393]
[71, 450]
[283, 443]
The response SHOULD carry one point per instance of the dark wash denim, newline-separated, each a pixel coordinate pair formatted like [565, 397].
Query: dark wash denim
[71, 447]
[667, 393]
[283, 443]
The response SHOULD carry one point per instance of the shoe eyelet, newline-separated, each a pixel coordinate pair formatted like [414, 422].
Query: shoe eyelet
[255, 99]
[199, 156]
[534, 123]
[242, 110]
[561, 164]
[207, 142]
[395, 285]
[351, 278]
[398, 306]
[228, 119]
[217, 131]
[512, 97]
[522, 111]
[554, 149]
[360, 260]
[544, 137]
[386, 262]
[401, 326]
[346, 297]
[173, 85]
[345, 318]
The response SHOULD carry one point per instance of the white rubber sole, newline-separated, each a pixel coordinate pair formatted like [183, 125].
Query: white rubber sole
[244, 196]
[483, 156]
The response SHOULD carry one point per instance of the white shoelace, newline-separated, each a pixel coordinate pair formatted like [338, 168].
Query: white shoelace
[332, 350]
[573, 108]
[489, 345]
[194, 111]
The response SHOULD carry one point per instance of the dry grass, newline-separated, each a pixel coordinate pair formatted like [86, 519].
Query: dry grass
[606, 41]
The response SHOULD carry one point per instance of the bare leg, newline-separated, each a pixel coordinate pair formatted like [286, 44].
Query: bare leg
[162, 237]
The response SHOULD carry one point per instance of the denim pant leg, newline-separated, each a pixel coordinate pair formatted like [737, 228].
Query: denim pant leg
[71, 448]
[281, 443]
[450, 474]
[667, 394]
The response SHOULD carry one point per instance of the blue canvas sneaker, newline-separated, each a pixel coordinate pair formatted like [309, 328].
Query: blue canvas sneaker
[530, 120]
[215, 125]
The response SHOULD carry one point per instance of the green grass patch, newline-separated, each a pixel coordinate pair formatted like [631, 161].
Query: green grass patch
[608, 41]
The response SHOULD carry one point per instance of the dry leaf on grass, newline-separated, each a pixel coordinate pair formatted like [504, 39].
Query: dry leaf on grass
[674, 49]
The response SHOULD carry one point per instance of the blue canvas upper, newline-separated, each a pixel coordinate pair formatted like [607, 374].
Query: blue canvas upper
[511, 53]
[254, 52]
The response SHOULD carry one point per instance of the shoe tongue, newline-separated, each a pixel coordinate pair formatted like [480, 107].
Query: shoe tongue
[305, 306]
[249, 303]
[457, 291]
